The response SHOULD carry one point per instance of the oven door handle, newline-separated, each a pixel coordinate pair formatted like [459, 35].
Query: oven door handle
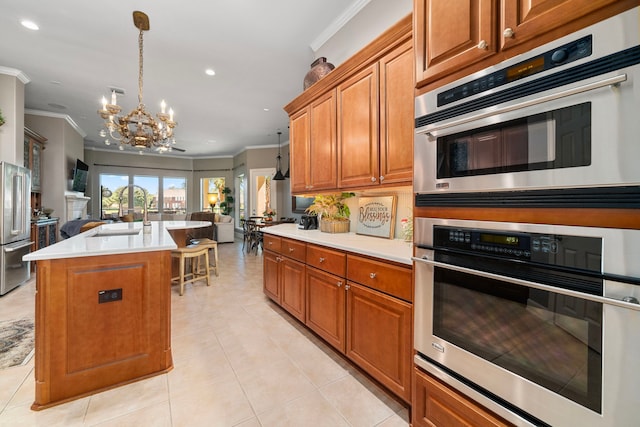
[526, 283]
[611, 81]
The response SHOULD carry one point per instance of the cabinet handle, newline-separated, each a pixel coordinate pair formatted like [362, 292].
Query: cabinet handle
[482, 45]
[339, 284]
[373, 179]
[291, 250]
[347, 287]
[372, 275]
[321, 259]
[508, 33]
[270, 243]
[381, 178]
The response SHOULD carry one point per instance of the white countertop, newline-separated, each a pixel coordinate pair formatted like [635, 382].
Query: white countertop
[392, 249]
[110, 239]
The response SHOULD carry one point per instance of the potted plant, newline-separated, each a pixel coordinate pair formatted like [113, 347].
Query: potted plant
[332, 211]
[226, 206]
[1, 118]
[269, 214]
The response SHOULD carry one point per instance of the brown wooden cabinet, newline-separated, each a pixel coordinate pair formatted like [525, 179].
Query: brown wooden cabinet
[44, 233]
[326, 301]
[313, 149]
[452, 35]
[354, 128]
[284, 276]
[379, 336]
[459, 37]
[358, 129]
[87, 343]
[435, 404]
[375, 122]
[33, 146]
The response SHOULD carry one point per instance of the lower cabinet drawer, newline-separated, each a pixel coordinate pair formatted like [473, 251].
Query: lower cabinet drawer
[294, 249]
[330, 260]
[388, 278]
[436, 404]
[271, 242]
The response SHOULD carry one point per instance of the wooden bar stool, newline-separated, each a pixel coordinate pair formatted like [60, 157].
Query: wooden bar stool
[210, 244]
[193, 252]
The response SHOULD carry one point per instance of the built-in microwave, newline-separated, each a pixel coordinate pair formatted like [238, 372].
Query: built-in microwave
[562, 116]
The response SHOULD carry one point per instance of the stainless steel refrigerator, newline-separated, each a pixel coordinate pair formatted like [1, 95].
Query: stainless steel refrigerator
[15, 242]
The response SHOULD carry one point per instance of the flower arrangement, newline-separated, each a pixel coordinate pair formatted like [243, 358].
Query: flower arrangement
[407, 229]
[269, 213]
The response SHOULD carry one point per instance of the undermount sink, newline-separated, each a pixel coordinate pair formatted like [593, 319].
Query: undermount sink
[117, 232]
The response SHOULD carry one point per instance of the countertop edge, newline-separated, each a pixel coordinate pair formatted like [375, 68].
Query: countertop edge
[395, 250]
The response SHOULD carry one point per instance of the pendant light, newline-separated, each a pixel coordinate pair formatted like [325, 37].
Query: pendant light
[278, 176]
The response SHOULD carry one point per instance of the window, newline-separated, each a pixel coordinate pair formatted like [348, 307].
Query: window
[242, 197]
[150, 184]
[174, 198]
[118, 199]
[211, 193]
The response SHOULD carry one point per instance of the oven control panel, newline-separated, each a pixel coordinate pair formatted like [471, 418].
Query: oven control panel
[560, 55]
[550, 249]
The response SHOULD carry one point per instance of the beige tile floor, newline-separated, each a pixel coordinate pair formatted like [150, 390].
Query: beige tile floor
[239, 360]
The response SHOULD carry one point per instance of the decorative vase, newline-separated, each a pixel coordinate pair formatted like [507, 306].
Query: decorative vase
[319, 68]
[269, 218]
[334, 226]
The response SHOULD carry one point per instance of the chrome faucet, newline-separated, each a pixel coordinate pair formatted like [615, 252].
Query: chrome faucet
[145, 220]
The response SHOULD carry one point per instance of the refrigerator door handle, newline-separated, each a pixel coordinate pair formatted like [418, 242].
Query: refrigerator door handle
[17, 214]
[15, 248]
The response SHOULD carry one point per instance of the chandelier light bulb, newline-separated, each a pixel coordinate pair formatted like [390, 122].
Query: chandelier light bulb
[163, 106]
[104, 103]
[113, 98]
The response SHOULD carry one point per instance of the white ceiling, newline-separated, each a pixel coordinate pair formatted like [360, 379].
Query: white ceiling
[259, 49]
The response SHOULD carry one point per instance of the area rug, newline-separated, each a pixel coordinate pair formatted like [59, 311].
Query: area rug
[16, 342]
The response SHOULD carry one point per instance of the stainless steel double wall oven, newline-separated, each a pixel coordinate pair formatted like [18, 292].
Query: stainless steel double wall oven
[538, 322]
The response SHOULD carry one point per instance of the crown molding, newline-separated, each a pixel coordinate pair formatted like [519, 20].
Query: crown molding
[15, 73]
[66, 117]
[337, 24]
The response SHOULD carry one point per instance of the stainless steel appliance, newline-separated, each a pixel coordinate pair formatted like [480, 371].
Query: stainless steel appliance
[562, 116]
[15, 188]
[537, 322]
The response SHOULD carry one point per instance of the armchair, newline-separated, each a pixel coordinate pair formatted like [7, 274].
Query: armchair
[224, 228]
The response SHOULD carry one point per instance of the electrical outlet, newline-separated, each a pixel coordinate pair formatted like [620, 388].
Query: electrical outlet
[109, 295]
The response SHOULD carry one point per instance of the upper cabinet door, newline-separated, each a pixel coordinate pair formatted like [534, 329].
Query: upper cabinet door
[322, 161]
[298, 150]
[523, 20]
[397, 115]
[358, 129]
[452, 34]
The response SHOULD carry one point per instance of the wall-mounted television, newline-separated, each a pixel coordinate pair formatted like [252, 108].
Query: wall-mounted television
[80, 175]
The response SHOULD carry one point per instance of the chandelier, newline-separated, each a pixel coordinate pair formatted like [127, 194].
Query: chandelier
[138, 128]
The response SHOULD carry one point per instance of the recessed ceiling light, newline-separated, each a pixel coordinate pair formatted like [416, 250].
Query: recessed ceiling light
[265, 109]
[29, 24]
[55, 82]
[210, 72]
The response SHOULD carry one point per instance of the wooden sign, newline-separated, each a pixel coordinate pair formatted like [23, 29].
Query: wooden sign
[376, 216]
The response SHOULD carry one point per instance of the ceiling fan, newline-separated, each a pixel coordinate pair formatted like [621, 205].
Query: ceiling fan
[164, 149]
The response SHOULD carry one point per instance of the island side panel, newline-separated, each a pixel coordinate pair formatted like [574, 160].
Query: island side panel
[85, 343]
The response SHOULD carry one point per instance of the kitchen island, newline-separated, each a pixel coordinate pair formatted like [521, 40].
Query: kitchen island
[103, 309]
